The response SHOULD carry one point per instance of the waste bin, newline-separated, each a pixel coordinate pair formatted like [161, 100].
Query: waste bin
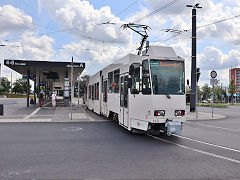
[1, 109]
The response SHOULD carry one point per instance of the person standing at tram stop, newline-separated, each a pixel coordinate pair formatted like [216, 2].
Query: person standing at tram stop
[41, 98]
[54, 99]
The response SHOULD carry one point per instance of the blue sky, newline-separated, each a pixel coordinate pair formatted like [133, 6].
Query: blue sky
[24, 23]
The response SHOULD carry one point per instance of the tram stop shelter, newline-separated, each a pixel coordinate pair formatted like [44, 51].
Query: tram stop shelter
[48, 74]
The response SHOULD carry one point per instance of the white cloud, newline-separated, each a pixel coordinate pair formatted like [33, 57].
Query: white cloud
[81, 14]
[13, 20]
[94, 54]
[31, 48]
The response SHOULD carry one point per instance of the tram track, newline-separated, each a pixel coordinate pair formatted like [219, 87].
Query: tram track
[216, 128]
[202, 147]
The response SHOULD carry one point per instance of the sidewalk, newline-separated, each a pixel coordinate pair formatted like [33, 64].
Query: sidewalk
[65, 114]
[190, 116]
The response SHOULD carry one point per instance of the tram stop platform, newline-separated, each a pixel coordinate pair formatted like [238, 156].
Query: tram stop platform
[15, 110]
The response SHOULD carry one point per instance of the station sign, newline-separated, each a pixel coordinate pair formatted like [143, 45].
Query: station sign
[30, 77]
[14, 62]
[79, 65]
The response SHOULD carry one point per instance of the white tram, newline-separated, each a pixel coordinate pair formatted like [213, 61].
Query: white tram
[142, 92]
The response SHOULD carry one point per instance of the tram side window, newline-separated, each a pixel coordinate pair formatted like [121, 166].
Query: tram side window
[98, 91]
[146, 84]
[116, 81]
[134, 72]
[92, 92]
[110, 82]
[95, 91]
[89, 92]
[105, 91]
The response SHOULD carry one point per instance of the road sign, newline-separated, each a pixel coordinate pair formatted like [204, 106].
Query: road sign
[213, 74]
[213, 82]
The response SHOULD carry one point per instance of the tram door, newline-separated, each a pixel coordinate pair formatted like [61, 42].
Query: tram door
[104, 106]
[124, 117]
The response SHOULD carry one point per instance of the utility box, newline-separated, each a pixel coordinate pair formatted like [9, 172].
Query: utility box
[66, 92]
[1, 109]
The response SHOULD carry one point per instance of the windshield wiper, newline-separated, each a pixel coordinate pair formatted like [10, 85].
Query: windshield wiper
[165, 92]
[168, 96]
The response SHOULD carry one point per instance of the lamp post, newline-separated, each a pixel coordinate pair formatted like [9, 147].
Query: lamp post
[194, 52]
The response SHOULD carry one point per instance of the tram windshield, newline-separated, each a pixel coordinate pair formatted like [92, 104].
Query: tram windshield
[167, 77]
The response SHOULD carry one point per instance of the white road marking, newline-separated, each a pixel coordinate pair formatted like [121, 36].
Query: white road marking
[22, 120]
[88, 116]
[217, 127]
[30, 115]
[210, 144]
[197, 150]
[34, 112]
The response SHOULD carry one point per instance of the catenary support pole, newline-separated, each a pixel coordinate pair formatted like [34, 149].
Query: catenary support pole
[78, 88]
[35, 89]
[72, 92]
[193, 71]
[28, 89]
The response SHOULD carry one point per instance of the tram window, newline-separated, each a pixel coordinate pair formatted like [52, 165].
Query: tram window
[105, 91]
[134, 72]
[95, 91]
[110, 82]
[126, 91]
[89, 92]
[98, 91]
[102, 85]
[116, 81]
[146, 84]
[92, 92]
[121, 92]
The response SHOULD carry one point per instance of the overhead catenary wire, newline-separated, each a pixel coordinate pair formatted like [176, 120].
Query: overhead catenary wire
[156, 11]
[205, 25]
[124, 10]
[151, 14]
[69, 29]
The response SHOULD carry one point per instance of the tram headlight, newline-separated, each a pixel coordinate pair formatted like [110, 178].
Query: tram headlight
[159, 113]
[179, 112]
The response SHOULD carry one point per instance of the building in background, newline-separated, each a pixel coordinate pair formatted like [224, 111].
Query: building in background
[234, 74]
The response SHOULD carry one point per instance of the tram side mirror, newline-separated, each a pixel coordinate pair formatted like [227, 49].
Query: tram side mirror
[134, 91]
[129, 82]
[188, 82]
[131, 70]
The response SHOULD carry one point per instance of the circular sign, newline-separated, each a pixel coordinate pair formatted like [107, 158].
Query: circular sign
[213, 74]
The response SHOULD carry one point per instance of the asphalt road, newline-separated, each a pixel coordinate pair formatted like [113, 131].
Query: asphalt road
[104, 150]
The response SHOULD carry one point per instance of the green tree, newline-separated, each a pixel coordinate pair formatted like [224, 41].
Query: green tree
[4, 85]
[82, 84]
[232, 89]
[217, 93]
[20, 86]
[206, 91]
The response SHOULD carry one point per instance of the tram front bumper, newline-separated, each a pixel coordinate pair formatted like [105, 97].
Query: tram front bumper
[173, 127]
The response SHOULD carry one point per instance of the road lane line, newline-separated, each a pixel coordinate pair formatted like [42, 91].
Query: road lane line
[196, 150]
[34, 112]
[207, 143]
[214, 126]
